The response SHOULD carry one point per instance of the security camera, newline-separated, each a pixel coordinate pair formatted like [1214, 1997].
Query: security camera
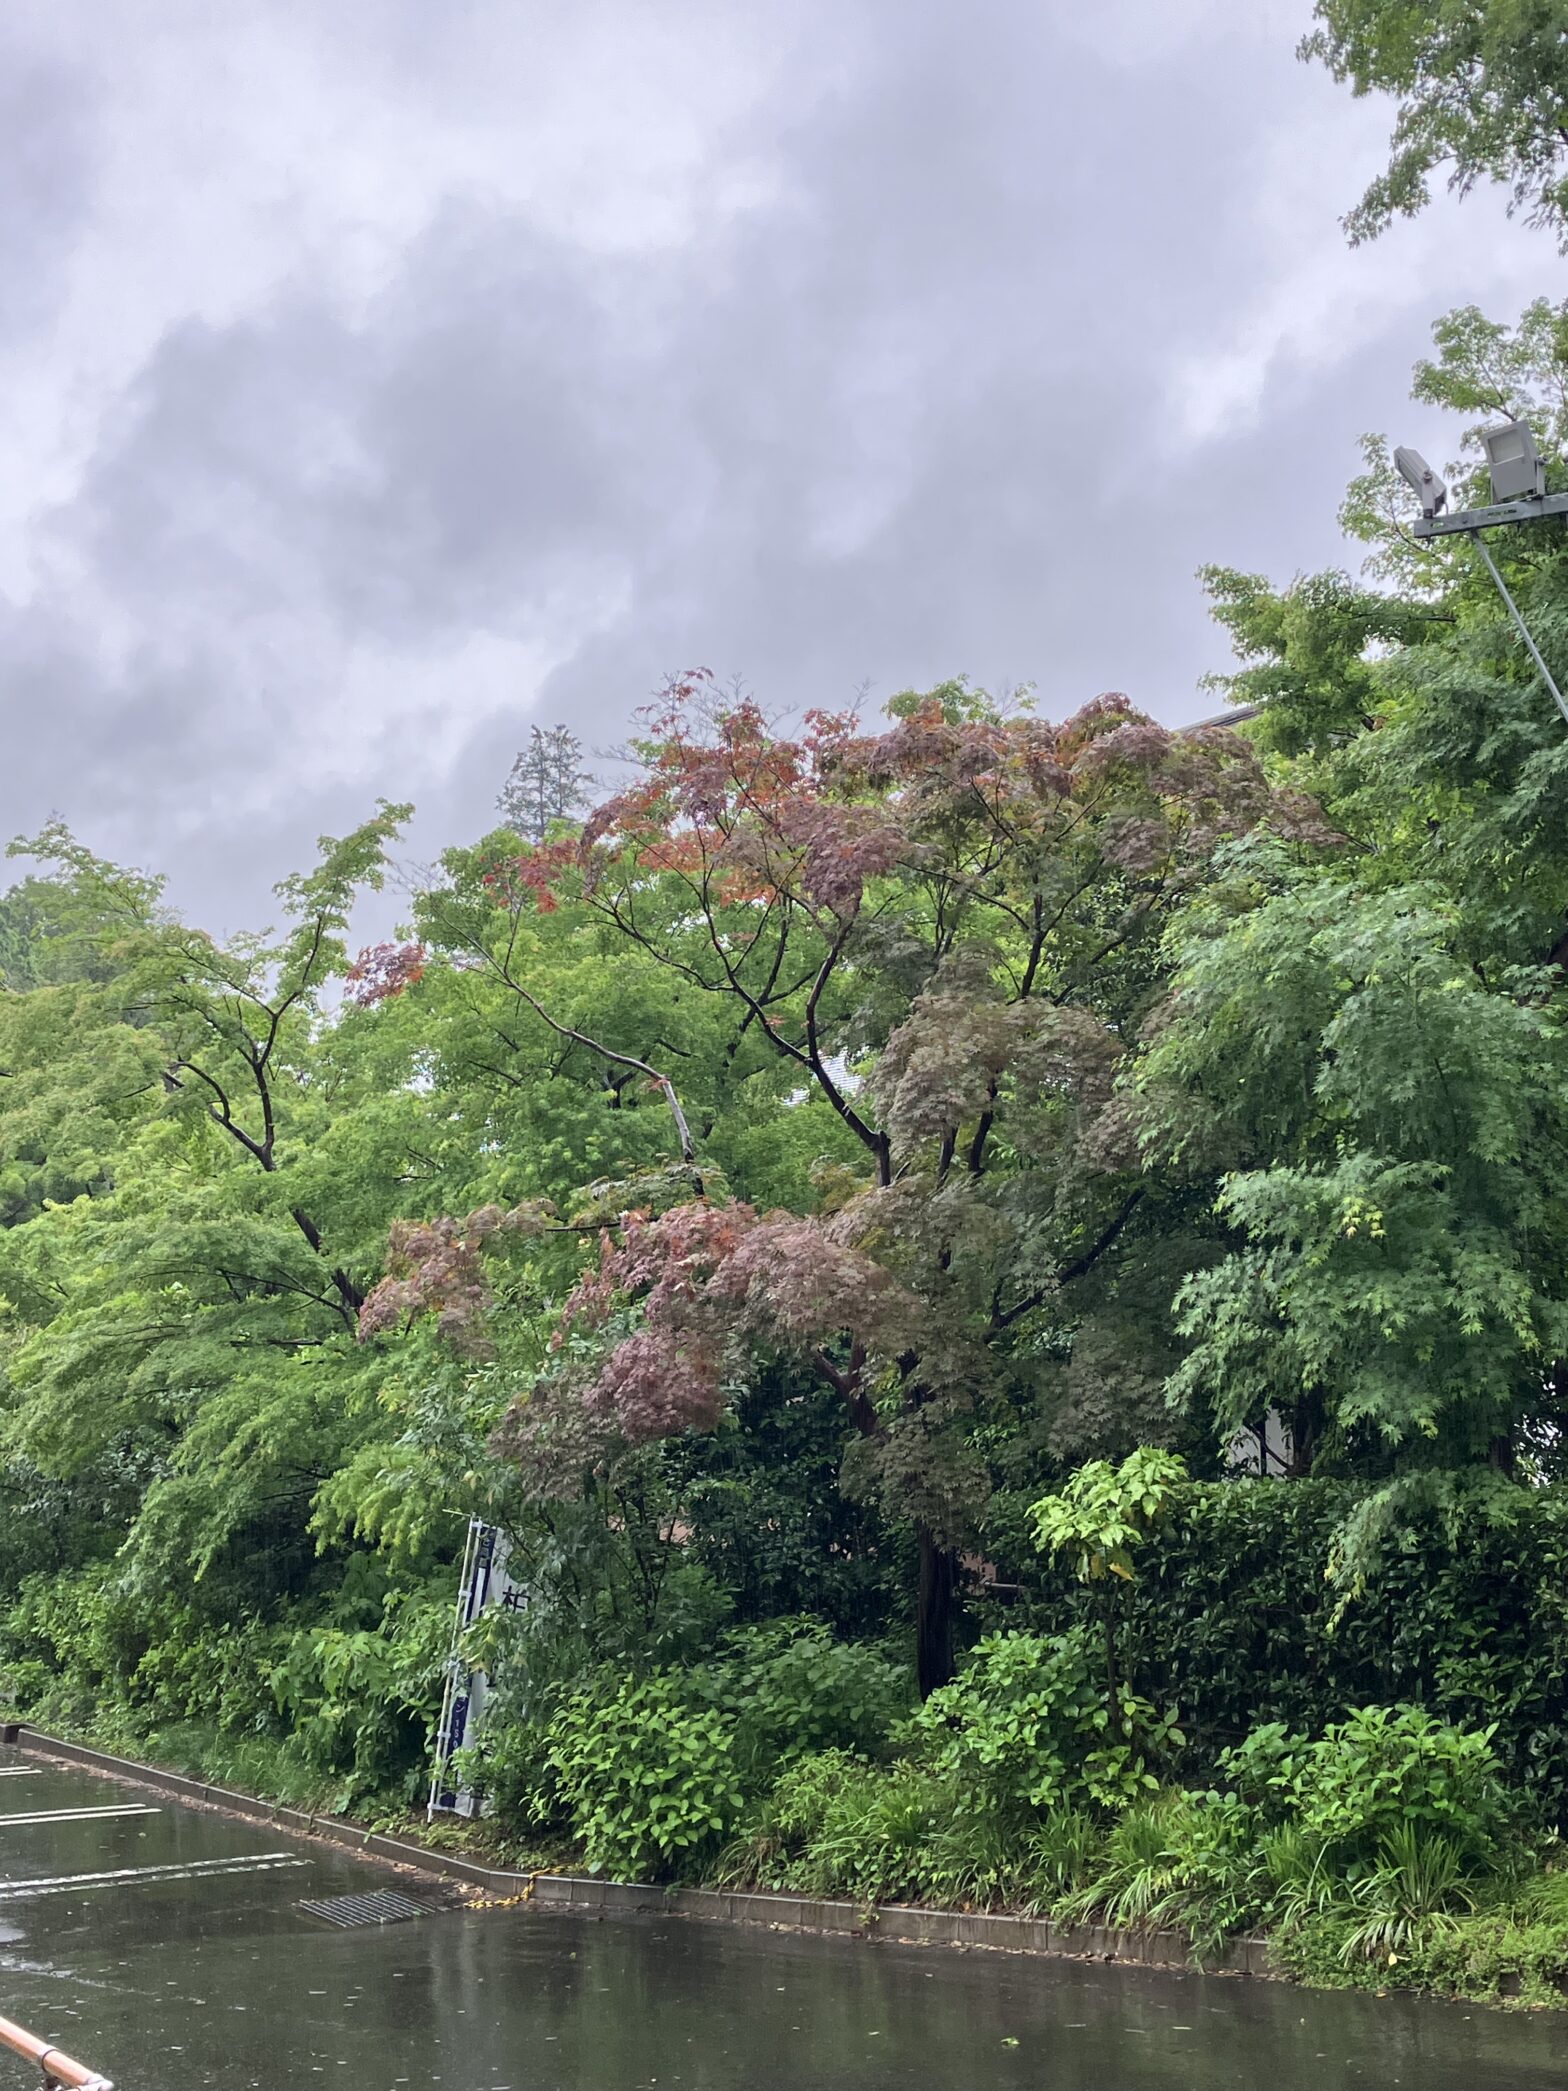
[1414, 470]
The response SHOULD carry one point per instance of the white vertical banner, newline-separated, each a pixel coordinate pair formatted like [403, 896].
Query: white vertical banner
[482, 1583]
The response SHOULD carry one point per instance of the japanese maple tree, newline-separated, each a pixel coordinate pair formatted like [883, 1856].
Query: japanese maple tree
[948, 931]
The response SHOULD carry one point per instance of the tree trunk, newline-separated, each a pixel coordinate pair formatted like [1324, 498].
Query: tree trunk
[1307, 1418]
[935, 1615]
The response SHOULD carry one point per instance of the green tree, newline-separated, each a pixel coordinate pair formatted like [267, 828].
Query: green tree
[1482, 90]
[1369, 1061]
[200, 1174]
[546, 783]
[1415, 715]
[1388, 1127]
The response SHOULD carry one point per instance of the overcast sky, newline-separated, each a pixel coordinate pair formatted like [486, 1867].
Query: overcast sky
[381, 378]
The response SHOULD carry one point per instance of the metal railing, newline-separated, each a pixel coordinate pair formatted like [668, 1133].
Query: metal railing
[58, 2067]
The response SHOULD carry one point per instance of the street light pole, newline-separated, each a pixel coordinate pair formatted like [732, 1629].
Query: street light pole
[1524, 630]
[1518, 496]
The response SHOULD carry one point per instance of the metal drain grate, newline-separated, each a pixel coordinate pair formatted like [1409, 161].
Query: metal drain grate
[385, 1906]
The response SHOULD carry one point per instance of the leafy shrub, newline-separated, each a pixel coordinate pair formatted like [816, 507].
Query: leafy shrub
[1513, 1943]
[194, 1671]
[837, 1825]
[1177, 1858]
[798, 1807]
[792, 1689]
[78, 1626]
[647, 1781]
[1265, 1768]
[875, 1835]
[1229, 1621]
[779, 1692]
[509, 1766]
[1104, 1514]
[1372, 1775]
[1491, 1954]
[1354, 1846]
[360, 1704]
[1384, 1769]
[1026, 1727]
[1375, 1838]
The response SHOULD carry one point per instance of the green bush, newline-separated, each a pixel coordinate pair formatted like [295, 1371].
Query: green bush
[1382, 1770]
[1027, 1727]
[1231, 1623]
[1176, 1858]
[647, 1782]
[796, 1811]
[1511, 1944]
[837, 1825]
[993, 1803]
[1416, 1882]
[1388, 1828]
[510, 1765]
[874, 1836]
[359, 1704]
[1375, 1839]
[78, 1627]
[792, 1689]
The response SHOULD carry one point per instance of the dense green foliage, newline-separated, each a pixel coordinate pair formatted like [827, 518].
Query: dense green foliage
[1233, 1624]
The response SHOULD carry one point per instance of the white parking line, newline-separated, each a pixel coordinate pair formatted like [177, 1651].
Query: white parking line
[65, 1883]
[76, 1814]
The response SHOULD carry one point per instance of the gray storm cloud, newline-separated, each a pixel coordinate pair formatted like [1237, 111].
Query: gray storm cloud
[381, 388]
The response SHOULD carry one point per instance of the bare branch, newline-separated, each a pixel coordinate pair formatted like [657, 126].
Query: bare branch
[1003, 1318]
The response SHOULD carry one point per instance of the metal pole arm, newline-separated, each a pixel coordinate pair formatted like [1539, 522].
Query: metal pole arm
[1523, 629]
[1533, 510]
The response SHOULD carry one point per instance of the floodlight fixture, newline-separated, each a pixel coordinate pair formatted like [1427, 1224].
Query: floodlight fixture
[1519, 495]
[1418, 474]
[1517, 470]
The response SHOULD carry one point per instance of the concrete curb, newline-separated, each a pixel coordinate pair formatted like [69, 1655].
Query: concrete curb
[904, 1924]
[897, 1923]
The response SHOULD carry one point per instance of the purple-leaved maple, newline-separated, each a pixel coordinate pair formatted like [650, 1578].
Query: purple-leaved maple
[948, 932]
